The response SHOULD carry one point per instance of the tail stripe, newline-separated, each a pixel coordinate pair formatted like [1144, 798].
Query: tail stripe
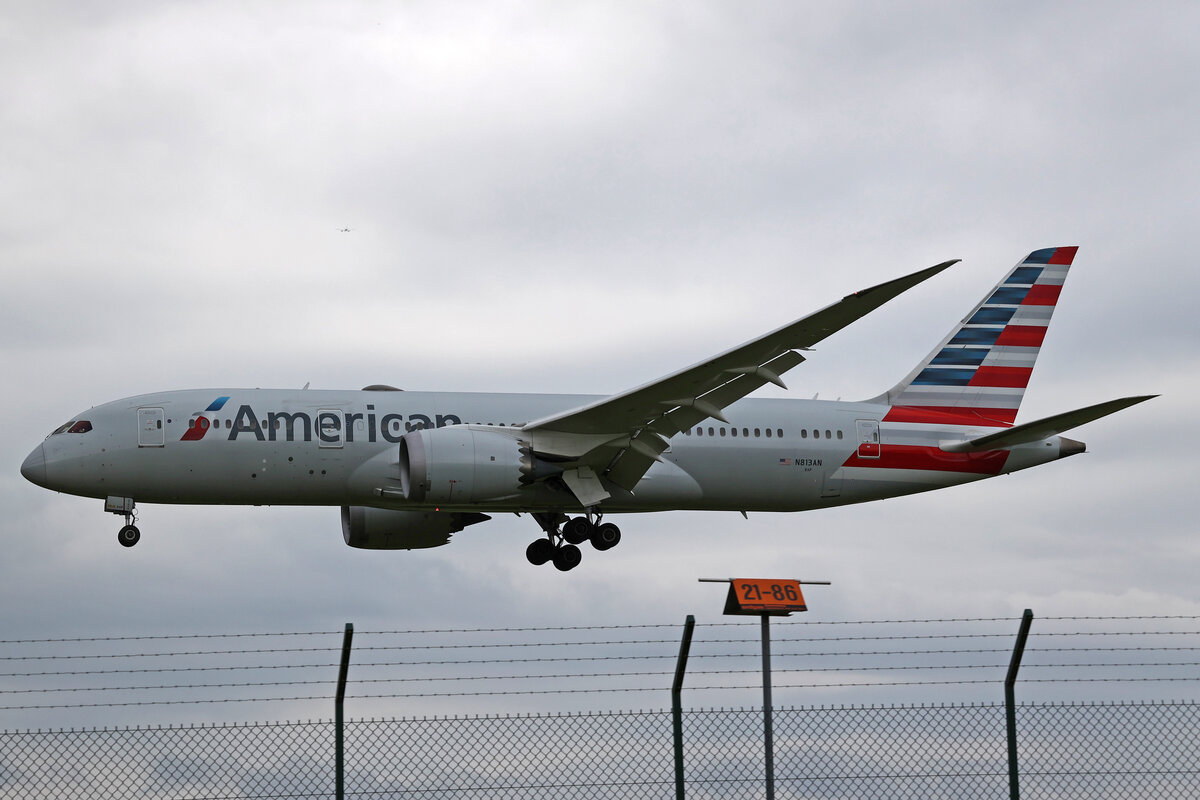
[1042, 294]
[1022, 336]
[1025, 275]
[984, 365]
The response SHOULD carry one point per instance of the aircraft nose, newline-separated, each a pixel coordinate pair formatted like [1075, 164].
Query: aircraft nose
[34, 467]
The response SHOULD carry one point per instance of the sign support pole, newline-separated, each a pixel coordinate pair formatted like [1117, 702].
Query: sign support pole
[768, 721]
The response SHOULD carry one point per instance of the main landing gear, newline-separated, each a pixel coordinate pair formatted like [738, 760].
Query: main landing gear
[563, 534]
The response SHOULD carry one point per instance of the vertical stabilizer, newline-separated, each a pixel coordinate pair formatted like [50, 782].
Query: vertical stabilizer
[979, 372]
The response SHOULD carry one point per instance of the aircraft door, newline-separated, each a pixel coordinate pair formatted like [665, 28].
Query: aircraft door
[151, 430]
[868, 438]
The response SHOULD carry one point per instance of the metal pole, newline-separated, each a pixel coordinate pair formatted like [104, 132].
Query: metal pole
[768, 734]
[339, 780]
[677, 702]
[1010, 709]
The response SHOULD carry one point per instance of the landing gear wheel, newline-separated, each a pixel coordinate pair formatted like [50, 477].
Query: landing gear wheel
[539, 551]
[577, 530]
[606, 536]
[129, 535]
[567, 558]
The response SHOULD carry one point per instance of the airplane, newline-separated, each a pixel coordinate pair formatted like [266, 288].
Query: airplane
[409, 468]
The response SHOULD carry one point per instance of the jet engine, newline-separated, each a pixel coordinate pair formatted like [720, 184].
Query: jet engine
[456, 464]
[390, 529]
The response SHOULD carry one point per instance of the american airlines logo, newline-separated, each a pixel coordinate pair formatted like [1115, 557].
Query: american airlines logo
[328, 426]
[199, 424]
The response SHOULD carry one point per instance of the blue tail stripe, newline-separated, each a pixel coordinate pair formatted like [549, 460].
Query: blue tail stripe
[1042, 256]
[935, 376]
[985, 337]
[1008, 296]
[992, 316]
[959, 357]
[1026, 275]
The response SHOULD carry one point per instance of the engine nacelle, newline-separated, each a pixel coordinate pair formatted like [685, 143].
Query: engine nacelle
[390, 529]
[457, 464]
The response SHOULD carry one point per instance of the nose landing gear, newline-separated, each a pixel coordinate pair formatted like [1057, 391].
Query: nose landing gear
[129, 535]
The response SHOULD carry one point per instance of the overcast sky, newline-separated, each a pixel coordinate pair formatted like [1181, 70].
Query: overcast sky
[580, 198]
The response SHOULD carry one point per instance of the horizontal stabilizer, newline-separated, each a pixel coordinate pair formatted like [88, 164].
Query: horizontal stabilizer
[1043, 428]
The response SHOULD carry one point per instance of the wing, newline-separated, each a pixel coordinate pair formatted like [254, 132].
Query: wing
[620, 436]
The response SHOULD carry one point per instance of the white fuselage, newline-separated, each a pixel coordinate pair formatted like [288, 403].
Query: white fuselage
[285, 447]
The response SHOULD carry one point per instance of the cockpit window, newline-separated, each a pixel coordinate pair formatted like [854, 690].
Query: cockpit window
[74, 426]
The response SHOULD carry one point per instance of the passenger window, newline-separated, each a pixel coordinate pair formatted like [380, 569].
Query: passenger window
[768, 433]
[779, 433]
[746, 432]
[710, 432]
[816, 434]
[828, 435]
[733, 432]
[839, 434]
[722, 431]
[757, 433]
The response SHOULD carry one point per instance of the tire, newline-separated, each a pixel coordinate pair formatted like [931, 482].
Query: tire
[567, 558]
[129, 535]
[539, 552]
[606, 536]
[577, 530]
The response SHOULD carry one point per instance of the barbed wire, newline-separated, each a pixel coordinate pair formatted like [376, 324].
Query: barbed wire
[427, 654]
[568, 676]
[585, 659]
[593, 643]
[588, 690]
[554, 629]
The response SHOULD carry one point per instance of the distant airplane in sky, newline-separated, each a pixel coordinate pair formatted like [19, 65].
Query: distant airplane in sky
[411, 468]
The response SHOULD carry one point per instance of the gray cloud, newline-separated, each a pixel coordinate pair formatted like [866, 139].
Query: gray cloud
[580, 199]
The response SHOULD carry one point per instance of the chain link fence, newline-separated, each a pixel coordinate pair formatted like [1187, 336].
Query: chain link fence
[1119, 750]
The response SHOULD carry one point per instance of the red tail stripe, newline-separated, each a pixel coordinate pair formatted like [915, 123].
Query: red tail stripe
[1042, 294]
[951, 415]
[1021, 336]
[1063, 255]
[1007, 377]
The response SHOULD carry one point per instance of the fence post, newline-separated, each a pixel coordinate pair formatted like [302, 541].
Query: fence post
[685, 647]
[339, 779]
[1010, 705]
